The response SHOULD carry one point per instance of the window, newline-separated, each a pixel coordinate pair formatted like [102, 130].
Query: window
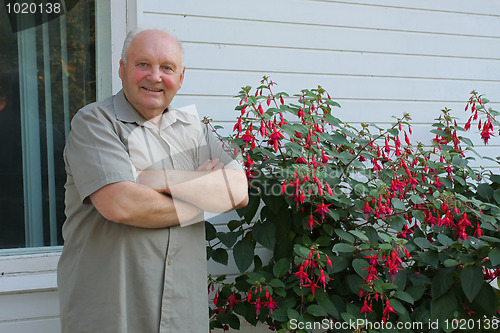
[47, 72]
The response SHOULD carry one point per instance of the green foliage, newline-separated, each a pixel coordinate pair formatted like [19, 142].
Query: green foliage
[360, 223]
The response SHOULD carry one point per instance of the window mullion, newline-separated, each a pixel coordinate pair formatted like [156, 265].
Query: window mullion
[30, 131]
[49, 137]
[64, 73]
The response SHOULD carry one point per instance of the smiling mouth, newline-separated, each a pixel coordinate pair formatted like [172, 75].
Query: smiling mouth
[153, 90]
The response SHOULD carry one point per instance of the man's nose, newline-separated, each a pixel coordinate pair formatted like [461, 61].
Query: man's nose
[155, 74]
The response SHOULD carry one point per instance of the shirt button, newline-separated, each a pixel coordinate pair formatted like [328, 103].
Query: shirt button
[169, 263]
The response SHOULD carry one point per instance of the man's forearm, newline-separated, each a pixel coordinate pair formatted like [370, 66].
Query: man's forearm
[133, 204]
[215, 191]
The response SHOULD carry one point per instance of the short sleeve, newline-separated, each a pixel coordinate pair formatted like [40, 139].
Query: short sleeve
[95, 155]
[227, 155]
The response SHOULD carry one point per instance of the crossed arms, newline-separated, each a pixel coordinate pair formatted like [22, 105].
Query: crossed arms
[163, 198]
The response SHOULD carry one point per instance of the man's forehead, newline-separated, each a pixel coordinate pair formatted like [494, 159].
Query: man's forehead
[154, 38]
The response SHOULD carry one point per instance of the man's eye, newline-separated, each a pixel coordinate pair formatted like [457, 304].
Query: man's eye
[142, 64]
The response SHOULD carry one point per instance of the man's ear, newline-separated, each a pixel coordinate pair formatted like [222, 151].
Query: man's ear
[121, 69]
[181, 79]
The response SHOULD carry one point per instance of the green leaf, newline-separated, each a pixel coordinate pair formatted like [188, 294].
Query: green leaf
[220, 255]
[248, 212]
[397, 222]
[496, 196]
[227, 238]
[423, 243]
[345, 235]
[338, 139]
[487, 299]
[445, 240]
[404, 296]
[416, 292]
[485, 191]
[360, 235]
[471, 279]
[243, 253]
[281, 267]
[443, 307]
[316, 310]
[275, 283]
[355, 283]
[265, 234]
[442, 282]
[360, 266]
[234, 224]
[274, 202]
[494, 256]
[210, 231]
[397, 306]
[418, 214]
[293, 314]
[451, 263]
[393, 131]
[343, 248]
[416, 199]
[398, 204]
[229, 318]
[325, 302]
[301, 251]
[339, 263]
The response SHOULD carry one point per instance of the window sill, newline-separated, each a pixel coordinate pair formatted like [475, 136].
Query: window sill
[27, 273]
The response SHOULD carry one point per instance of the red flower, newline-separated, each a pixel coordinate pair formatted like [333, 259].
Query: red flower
[322, 279]
[303, 276]
[258, 306]
[311, 285]
[238, 127]
[260, 109]
[232, 301]
[365, 308]
[487, 131]
[270, 304]
[274, 138]
[367, 210]
[248, 138]
[478, 231]
[311, 222]
[387, 310]
[322, 209]
[394, 263]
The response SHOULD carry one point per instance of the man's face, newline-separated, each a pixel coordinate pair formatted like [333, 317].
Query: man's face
[153, 72]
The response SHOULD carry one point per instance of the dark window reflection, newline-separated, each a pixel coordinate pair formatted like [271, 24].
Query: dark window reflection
[46, 74]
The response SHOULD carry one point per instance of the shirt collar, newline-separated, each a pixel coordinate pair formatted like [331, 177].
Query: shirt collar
[125, 112]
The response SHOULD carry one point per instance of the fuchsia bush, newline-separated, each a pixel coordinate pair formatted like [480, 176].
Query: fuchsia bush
[364, 225]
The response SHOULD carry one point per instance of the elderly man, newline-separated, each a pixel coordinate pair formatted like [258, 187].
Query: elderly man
[140, 175]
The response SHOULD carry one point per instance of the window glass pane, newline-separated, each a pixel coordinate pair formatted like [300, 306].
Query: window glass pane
[47, 72]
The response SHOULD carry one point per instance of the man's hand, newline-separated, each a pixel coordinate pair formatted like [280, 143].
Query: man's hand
[211, 165]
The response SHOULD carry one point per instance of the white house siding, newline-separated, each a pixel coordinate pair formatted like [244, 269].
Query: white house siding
[377, 58]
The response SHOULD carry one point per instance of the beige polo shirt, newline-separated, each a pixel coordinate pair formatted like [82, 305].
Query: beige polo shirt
[119, 278]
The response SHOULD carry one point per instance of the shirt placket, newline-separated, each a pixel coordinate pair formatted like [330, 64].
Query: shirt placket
[173, 246]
